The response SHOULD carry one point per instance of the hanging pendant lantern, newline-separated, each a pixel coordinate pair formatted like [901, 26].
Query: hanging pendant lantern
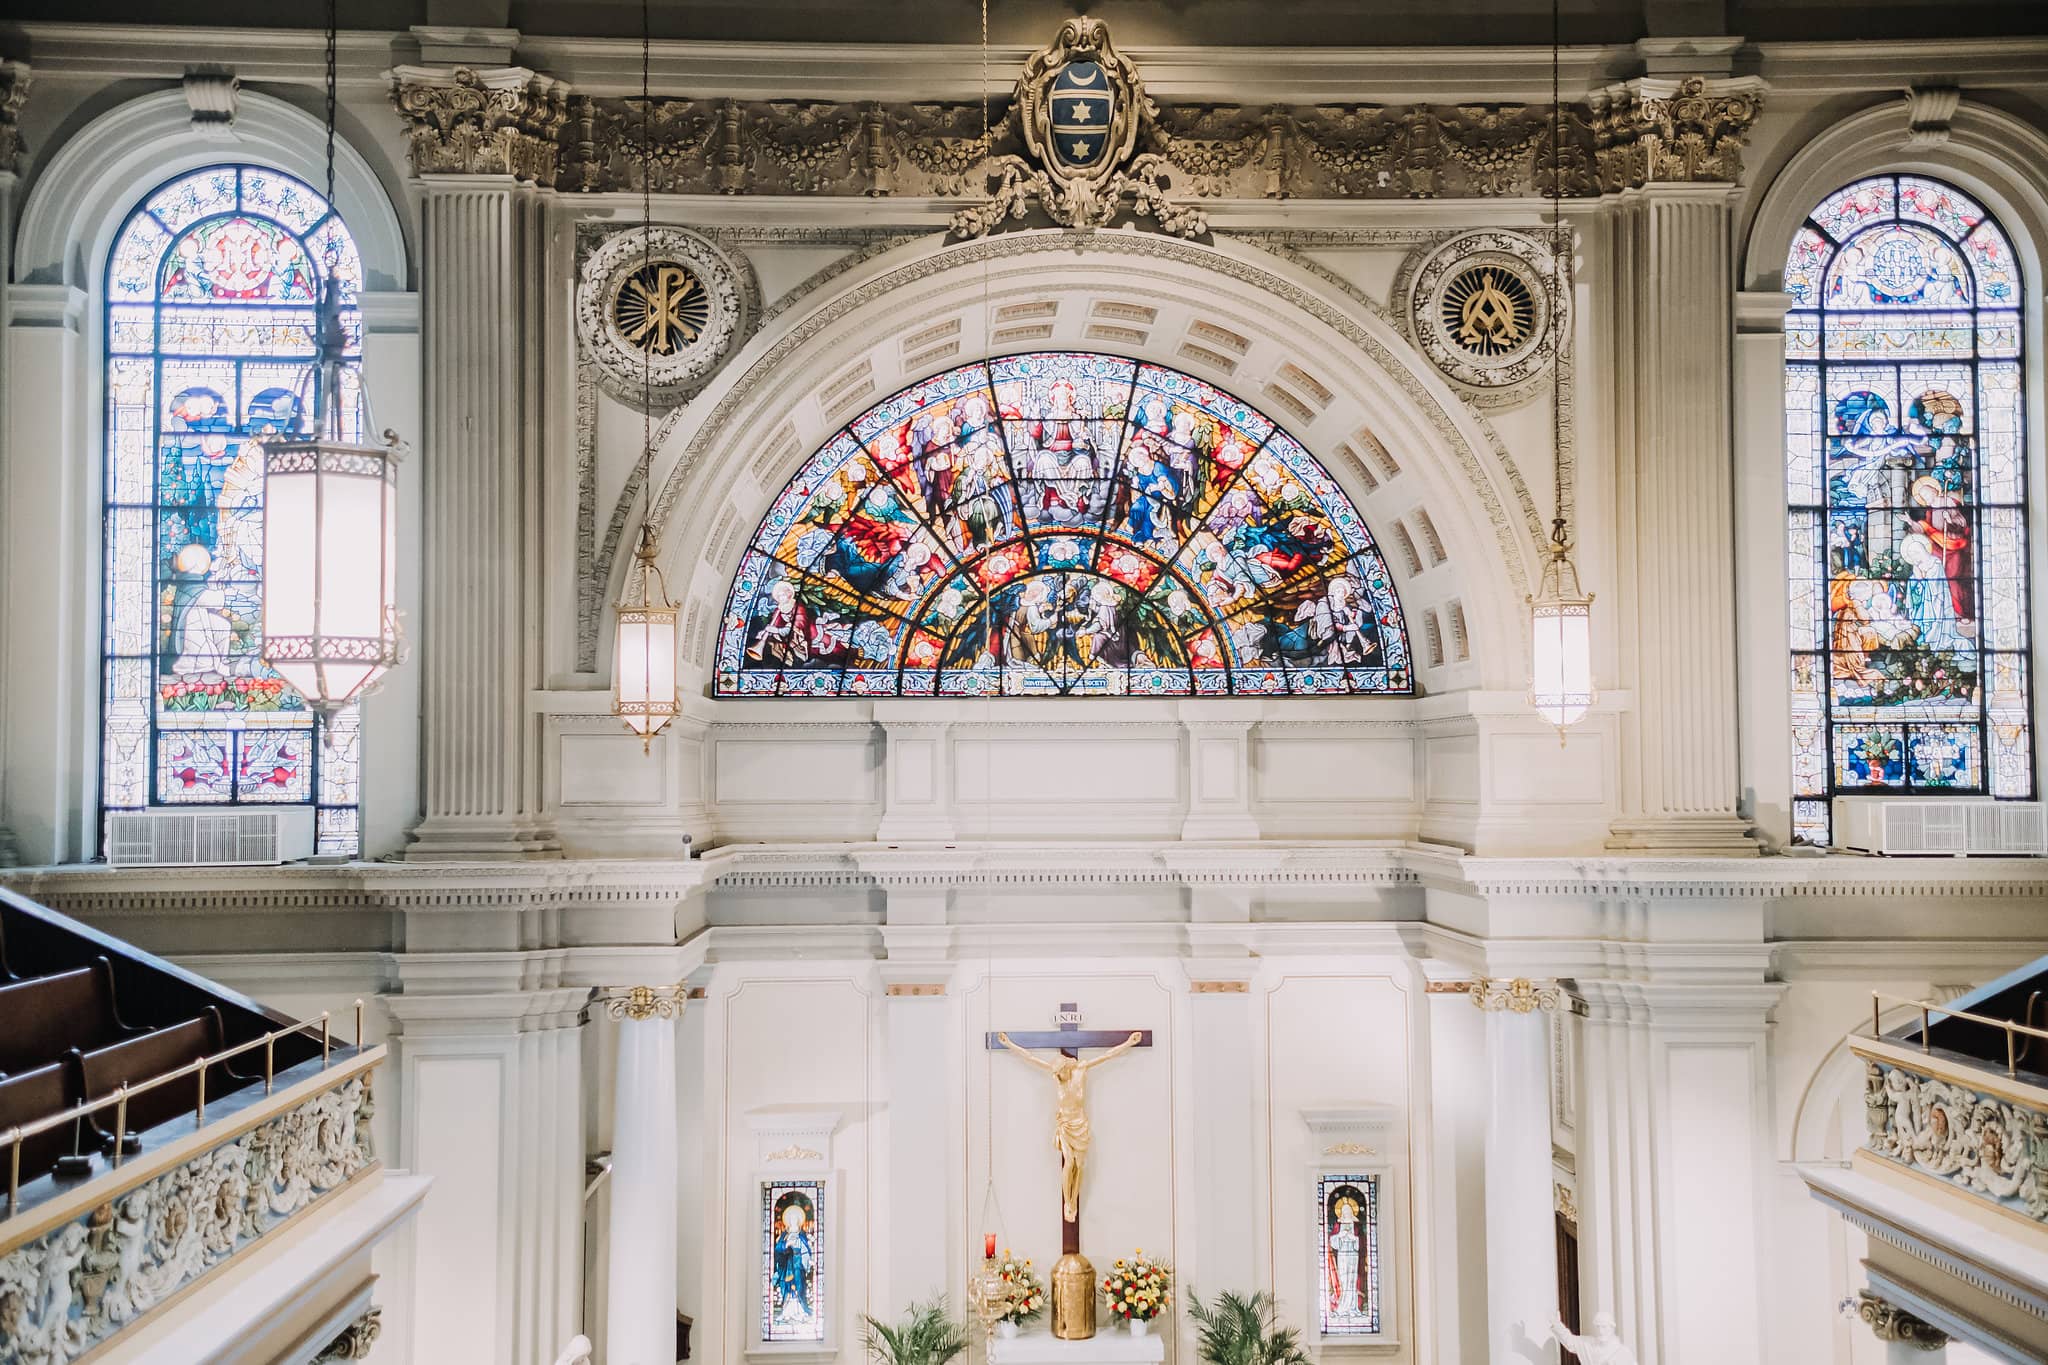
[330, 536]
[1561, 612]
[330, 521]
[1561, 639]
[644, 648]
[644, 640]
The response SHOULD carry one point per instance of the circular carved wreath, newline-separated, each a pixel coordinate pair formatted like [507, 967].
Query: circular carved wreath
[1480, 306]
[658, 309]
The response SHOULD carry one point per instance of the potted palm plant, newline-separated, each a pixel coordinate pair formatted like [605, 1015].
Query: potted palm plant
[925, 1335]
[1236, 1329]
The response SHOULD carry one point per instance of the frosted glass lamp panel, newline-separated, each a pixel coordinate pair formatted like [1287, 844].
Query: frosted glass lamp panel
[644, 668]
[1561, 685]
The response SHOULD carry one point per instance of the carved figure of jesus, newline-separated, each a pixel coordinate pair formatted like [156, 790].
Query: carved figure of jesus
[1070, 1114]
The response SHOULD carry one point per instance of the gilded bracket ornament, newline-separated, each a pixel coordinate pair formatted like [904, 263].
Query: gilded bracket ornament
[1889, 1322]
[501, 121]
[641, 1003]
[1519, 996]
[356, 1340]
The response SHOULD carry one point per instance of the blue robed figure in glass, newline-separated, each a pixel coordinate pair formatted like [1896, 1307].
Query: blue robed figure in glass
[795, 1264]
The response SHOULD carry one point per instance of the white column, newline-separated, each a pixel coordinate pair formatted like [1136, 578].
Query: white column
[922, 1231]
[1762, 645]
[1672, 279]
[49, 578]
[640, 1322]
[1222, 1058]
[1521, 1238]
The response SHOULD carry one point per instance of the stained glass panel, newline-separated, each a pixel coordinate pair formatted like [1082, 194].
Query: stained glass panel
[1062, 523]
[1906, 484]
[1348, 1255]
[211, 293]
[793, 1263]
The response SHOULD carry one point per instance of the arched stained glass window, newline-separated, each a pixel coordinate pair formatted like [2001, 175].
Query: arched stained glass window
[1062, 524]
[211, 294]
[1906, 483]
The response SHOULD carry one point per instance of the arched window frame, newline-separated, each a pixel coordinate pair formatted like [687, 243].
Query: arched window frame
[874, 450]
[250, 741]
[1965, 470]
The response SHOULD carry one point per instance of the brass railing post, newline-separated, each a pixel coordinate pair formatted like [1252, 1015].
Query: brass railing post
[1876, 1008]
[359, 1023]
[2012, 1061]
[121, 1120]
[324, 1039]
[13, 1168]
[202, 1092]
[1926, 1043]
[269, 1061]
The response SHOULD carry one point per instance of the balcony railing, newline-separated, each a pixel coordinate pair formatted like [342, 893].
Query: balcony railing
[1967, 1122]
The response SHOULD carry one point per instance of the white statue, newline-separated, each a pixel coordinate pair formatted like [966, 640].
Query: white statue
[1603, 1347]
[577, 1352]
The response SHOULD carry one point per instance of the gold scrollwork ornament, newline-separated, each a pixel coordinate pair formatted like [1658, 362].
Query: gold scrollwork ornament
[638, 1004]
[1519, 996]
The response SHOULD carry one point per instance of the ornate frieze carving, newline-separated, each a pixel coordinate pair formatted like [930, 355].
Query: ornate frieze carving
[1519, 996]
[1889, 1322]
[638, 1004]
[13, 94]
[502, 121]
[356, 1340]
[1989, 1146]
[81, 1282]
[1661, 131]
[1042, 154]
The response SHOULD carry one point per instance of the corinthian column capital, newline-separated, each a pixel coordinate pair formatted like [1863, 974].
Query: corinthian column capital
[504, 120]
[13, 94]
[640, 1003]
[1518, 996]
[1662, 130]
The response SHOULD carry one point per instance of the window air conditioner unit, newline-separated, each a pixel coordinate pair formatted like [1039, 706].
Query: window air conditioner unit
[1955, 826]
[209, 838]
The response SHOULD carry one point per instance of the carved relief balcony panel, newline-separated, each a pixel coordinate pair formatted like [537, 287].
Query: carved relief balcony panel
[1979, 1132]
[142, 1233]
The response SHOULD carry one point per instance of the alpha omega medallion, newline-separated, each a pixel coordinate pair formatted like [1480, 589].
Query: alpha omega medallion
[1082, 113]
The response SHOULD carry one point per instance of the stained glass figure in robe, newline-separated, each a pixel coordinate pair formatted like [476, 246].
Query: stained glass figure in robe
[1349, 1261]
[1906, 487]
[1062, 523]
[212, 286]
[792, 1270]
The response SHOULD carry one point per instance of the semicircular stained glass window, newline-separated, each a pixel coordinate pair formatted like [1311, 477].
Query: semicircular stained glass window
[1062, 523]
[1906, 489]
[212, 288]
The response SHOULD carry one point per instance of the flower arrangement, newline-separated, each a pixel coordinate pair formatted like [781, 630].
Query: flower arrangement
[1023, 1295]
[1138, 1289]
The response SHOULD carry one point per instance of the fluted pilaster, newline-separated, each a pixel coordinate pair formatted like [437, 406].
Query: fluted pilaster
[483, 146]
[1673, 269]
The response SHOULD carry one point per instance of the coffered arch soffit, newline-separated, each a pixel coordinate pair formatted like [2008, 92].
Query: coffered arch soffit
[1454, 517]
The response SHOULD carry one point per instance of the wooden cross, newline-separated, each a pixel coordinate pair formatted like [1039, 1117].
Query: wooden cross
[1069, 1038]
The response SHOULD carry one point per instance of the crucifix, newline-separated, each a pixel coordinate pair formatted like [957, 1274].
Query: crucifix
[1070, 1116]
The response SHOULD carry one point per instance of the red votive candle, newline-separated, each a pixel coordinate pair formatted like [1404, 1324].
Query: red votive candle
[988, 1246]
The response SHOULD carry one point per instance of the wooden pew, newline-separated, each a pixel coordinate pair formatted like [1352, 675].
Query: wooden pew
[156, 1053]
[48, 1016]
[34, 1095]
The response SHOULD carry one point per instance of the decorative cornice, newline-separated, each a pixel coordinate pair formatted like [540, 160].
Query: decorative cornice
[501, 121]
[1889, 1322]
[1660, 131]
[14, 83]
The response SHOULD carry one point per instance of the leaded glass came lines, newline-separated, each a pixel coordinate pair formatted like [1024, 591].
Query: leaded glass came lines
[1062, 523]
[1906, 489]
[211, 293]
